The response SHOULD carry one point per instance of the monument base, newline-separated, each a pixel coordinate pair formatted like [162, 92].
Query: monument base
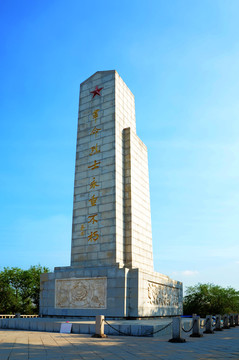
[111, 291]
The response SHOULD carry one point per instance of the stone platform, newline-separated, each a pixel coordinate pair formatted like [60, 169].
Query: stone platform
[109, 290]
[120, 327]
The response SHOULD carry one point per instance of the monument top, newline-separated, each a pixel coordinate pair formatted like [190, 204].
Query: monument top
[104, 72]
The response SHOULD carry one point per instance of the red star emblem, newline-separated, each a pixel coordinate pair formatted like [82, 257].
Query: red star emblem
[96, 91]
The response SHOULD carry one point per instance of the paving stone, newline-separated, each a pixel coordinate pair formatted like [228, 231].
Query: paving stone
[17, 345]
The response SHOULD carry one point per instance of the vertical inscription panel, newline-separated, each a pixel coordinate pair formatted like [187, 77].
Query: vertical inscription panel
[81, 293]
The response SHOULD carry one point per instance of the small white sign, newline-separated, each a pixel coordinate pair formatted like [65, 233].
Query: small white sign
[66, 328]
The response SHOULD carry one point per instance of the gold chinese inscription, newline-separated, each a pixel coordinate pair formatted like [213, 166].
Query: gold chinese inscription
[95, 165]
[95, 131]
[82, 228]
[93, 184]
[94, 150]
[92, 218]
[93, 200]
[95, 114]
[93, 236]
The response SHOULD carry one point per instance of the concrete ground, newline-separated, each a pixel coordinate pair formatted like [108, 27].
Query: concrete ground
[27, 345]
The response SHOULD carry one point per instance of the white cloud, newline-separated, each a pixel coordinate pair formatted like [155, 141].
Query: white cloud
[185, 273]
[190, 272]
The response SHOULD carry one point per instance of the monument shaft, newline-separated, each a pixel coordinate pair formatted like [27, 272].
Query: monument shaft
[111, 213]
[111, 270]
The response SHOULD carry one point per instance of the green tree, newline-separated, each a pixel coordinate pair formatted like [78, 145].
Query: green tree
[210, 299]
[8, 302]
[20, 290]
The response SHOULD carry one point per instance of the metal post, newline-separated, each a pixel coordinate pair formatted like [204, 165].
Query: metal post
[196, 327]
[208, 329]
[226, 322]
[218, 323]
[176, 331]
[232, 320]
[99, 326]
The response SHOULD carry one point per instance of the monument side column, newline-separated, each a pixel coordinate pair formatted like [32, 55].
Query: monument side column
[127, 199]
[124, 118]
[142, 251]
[133, 216]
[137, 215]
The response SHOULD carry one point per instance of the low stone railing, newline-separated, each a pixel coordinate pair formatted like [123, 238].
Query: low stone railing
[210, 324]
[7, 316]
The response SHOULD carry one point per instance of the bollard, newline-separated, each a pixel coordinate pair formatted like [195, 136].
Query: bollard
[176, 331]
[236, 320]
[99, 327]
[196, 327]
[225, 322]
[208, 329]
[218, 323]
[232, 320]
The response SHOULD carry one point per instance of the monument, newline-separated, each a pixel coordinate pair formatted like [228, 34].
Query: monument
[111, 271]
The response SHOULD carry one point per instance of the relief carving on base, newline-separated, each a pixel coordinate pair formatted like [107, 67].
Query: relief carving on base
[81, 293]
[162, 295]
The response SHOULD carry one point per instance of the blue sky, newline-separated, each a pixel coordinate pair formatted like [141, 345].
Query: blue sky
[180, 59]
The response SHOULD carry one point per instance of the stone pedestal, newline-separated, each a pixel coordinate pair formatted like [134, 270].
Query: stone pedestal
[111, 270]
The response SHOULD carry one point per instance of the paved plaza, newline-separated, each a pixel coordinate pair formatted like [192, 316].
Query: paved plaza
[27, 345]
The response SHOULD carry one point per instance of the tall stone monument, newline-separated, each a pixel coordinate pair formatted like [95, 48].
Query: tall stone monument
[111, 270]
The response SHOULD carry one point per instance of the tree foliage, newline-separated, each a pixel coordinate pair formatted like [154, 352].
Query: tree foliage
[20, 290]
[210, 299]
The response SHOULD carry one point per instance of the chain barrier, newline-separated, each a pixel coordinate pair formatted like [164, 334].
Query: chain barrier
[146, 334]
[187, 331]
[155, 332]
[163, 328]
[205, 323]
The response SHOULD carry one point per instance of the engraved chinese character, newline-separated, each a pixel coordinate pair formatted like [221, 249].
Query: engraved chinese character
[82, 230]
[92, 219]
[93, 184]
[95, 131]
[93, 236]
[95, 165]
[94, 150]
[93, 200]
[95, 114]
